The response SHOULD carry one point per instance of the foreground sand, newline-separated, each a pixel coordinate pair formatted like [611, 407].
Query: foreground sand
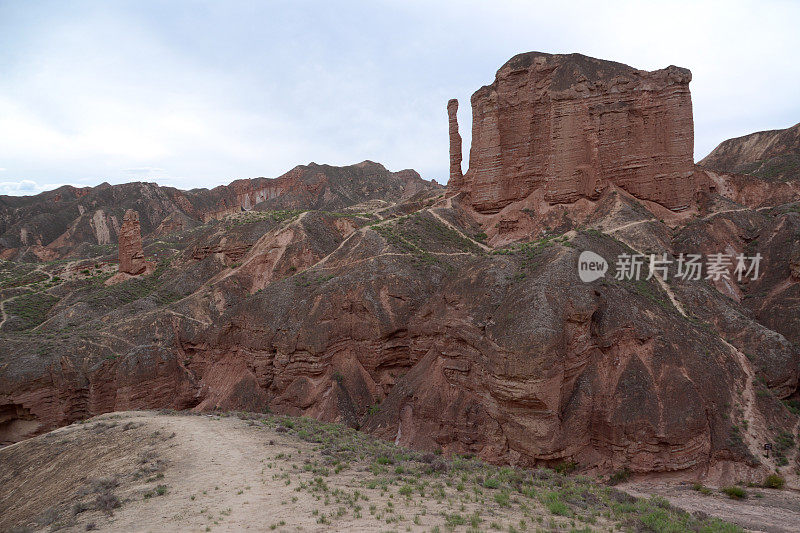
[145, 471]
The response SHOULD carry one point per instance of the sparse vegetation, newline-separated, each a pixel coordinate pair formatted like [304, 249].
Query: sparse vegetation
[735, 492]
[774, 481]
[397, 486]
[31, 309]
[620, 476]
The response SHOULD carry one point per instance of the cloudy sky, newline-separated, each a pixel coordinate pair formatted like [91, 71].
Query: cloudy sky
[194, 93]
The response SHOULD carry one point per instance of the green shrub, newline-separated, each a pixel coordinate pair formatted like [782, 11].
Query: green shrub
[774, 481]
[735, 493]
[454, 520]
[558, 508]
[491, 483]
[567, 467]
[619, 476]
[503, 499]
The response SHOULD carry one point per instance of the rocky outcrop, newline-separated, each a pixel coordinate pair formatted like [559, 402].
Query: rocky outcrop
[794, 261]
[747, 189]
[456, 176]
[566, 126]
[131, 254]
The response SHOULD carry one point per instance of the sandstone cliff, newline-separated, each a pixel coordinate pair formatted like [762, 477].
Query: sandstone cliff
[407, 328]
[565, 126]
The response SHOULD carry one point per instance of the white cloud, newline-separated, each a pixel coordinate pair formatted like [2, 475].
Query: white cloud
[25, 187]
[128, 91]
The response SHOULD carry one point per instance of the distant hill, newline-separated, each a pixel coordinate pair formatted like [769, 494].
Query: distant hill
[773, 155]
[56, 223]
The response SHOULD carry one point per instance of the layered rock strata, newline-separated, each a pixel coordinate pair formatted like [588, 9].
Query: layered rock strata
[567, 126]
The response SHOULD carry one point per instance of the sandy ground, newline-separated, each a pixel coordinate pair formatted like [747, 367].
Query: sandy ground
[769, 510]
[219, 473]
[144, 471]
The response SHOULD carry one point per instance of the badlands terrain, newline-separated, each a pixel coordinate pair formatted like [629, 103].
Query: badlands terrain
[446, 320]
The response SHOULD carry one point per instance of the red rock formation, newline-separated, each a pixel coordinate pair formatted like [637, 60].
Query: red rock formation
[456, 177]
[506, 355]
[131, 254]
[567, 125]
[315, 186]
[747, 189]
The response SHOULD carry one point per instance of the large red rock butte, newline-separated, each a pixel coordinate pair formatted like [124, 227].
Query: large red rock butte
[131, 254]
[566, 126]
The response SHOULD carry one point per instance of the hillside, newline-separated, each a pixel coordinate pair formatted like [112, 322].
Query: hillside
[772, 155]
[72, 222]
[168, 472]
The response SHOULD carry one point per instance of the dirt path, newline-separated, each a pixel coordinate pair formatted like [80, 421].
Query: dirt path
[629, 224]
[3, 312]
[768, 510]
[663, 284]
[217, 478]
[215, 473]
[147, 471]
[441, 219]
[738, 210]
[3, 308]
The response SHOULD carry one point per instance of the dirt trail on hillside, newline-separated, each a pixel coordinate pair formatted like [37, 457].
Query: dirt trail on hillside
[768, 510]
[221, 465]
[213, 471]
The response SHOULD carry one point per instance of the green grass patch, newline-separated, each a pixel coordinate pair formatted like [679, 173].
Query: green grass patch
[31, 309]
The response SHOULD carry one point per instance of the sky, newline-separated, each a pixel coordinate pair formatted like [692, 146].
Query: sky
[199, 93]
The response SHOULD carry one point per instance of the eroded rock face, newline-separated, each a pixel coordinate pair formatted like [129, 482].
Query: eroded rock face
[131, 254]
[565, 126]
[456, 176]
[507, 356]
